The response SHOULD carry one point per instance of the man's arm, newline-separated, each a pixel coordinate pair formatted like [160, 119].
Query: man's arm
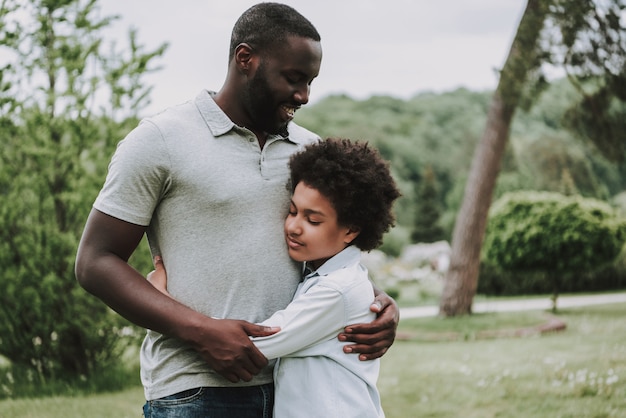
[372, 340]
[102, 269]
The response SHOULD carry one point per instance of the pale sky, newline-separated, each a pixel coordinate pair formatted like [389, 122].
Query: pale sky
[389, 47]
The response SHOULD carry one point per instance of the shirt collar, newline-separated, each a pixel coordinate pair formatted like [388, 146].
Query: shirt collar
[218, 122]
[349, 256]
[215, 118]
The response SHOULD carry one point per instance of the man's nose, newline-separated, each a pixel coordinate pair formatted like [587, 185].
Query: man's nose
[302, 94]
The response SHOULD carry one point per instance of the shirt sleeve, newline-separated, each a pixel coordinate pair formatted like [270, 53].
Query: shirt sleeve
[314, 316]
[138, 175]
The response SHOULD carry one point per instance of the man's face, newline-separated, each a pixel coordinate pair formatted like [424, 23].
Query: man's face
[281, 83]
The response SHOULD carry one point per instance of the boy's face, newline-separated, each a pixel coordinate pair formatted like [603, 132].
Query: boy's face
[311, 229]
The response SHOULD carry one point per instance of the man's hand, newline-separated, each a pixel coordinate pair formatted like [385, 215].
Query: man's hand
[373, 340]
[222, 343]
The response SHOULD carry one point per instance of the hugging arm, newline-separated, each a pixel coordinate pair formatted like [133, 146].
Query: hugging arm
[373, 339]
[102, 269]
[309, 318]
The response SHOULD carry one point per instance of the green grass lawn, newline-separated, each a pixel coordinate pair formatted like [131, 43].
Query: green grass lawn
[579, 372]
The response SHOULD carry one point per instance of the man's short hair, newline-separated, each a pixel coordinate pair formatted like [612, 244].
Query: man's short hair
[266, 24]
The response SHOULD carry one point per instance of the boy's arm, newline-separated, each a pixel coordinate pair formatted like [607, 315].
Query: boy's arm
[372, 340]
[311, 317]
[102, 269]
[301, 324]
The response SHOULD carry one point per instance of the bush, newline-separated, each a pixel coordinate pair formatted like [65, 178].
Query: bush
[538, 242]
[56, 142]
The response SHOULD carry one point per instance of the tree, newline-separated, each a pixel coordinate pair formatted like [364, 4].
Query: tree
[64, 104]
[427, 209]
[553, 234]
[462, 277]
[581, 36]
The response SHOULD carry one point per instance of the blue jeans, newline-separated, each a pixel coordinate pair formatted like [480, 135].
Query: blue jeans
[209, 402]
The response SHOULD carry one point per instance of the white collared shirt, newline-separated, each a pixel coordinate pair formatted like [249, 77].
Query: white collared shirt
[313, 376]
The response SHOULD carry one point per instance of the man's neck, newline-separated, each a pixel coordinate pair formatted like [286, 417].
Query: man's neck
[224, 104]
[261, 137]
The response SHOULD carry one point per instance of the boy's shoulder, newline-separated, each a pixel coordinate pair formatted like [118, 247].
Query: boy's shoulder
[345, 277]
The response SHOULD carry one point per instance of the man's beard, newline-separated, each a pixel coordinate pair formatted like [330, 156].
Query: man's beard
[261, 104]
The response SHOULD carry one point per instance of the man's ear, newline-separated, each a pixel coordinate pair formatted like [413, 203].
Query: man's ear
[244, 57]
[351, 234]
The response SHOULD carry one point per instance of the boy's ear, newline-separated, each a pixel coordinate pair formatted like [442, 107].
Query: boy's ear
[351, 234]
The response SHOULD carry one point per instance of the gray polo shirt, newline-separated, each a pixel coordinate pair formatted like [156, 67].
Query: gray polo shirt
[214, 204]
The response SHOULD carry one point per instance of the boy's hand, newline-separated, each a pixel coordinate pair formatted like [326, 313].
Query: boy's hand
[374, 339]
[158, 276]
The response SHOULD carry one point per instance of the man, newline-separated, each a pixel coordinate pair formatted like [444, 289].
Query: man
[207, 182]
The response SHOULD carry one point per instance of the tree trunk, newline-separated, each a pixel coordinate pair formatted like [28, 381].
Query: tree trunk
[462, 277]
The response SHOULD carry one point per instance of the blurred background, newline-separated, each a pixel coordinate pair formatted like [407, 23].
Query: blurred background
[504, 123]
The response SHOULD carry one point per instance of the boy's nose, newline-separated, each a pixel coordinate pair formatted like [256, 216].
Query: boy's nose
[292, 226]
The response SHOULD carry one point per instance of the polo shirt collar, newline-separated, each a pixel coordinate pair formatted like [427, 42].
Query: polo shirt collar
[217, 121]
[215, 118]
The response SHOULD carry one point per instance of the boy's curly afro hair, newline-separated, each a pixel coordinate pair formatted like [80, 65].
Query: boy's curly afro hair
[355, 179]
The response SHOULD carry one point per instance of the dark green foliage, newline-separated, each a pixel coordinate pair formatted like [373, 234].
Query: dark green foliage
[427, 210]
[551, 237]
[57, 142]
[591, 46]
[560, 164]
[601, 119]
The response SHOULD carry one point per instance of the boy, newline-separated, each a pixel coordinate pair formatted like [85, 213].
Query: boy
[342, 195]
